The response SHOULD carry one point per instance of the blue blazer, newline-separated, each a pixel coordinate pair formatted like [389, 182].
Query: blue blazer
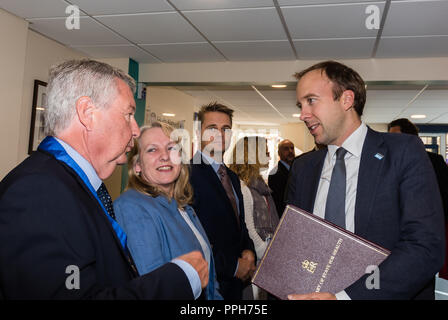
[216, 214]
[398, 206]
[157, 233]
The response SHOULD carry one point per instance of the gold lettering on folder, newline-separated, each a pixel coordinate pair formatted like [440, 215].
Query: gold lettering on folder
[328, 267]
[309, 266]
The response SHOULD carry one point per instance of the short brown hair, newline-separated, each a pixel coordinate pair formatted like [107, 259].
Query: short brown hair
[183, 191]
[343, 78]
[214, 107]
[405, 125]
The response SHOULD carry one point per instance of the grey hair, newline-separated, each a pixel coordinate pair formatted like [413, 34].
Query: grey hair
[70, 80]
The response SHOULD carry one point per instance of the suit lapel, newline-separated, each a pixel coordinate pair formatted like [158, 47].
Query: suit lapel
[372, 159]
[312, 179]
[99, 211]
[213, 181]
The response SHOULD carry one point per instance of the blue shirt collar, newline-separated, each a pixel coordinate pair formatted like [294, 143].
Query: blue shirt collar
[85, 165]
[215, 165]
[285, 164]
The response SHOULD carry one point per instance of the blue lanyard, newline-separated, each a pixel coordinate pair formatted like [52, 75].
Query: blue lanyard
[52, 146]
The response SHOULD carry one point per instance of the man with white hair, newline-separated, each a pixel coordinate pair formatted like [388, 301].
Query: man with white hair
[58, 231]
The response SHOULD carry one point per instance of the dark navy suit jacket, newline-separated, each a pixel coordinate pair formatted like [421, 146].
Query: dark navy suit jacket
[49, 220]
[398, 206]
[277, 183]
[216, 214]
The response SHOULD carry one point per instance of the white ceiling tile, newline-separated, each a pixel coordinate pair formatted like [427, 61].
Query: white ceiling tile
[314, 2]
[153, 28]
[332, 21]
[36, 9]
[181, 52]
[121, 51]
[220, 4]
[429, 112]
[441, 119]
[417, 18]
[89, 33]
[335, 48]
[407, 47]
[261, 51]
[238, 24]
[436, 100]
[98, 7]
[389, 99]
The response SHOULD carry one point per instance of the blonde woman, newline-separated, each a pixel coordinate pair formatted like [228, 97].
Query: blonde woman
[155, 210]
[250, 155]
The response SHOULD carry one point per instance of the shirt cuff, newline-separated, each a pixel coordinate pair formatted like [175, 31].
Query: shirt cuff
[192, 276]
[342, 295]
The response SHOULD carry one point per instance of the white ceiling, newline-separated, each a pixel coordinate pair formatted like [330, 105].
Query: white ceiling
[385, 102]
[158, 31]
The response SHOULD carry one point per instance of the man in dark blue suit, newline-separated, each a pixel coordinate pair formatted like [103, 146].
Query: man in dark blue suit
[389, 191]
[278, 177]
[58, 231]
[218, 201]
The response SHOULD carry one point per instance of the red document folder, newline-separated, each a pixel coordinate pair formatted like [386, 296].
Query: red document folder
[309, 254]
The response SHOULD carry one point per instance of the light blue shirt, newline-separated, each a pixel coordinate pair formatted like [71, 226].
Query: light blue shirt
[286, 165]
[96, 182]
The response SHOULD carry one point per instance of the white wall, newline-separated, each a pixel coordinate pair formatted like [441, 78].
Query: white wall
[171, 100]
[13, 34]
[41, 54]
[28, 57]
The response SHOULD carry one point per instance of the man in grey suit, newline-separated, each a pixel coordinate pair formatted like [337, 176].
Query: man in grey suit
[389, 191]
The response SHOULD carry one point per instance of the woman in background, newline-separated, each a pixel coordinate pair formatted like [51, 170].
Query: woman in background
[155, 210]
[250, 155]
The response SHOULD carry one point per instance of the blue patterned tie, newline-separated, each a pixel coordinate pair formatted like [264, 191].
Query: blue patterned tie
[106, 200]
[335, 207]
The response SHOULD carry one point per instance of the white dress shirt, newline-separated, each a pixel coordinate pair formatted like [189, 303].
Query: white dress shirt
[353, 144]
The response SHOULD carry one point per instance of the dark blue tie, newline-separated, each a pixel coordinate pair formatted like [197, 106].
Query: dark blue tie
[106, 200]
[335, 207]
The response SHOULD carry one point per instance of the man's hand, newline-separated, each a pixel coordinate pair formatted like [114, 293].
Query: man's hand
[196, 260]
[248, 255]
[312, 296]
[246, 265]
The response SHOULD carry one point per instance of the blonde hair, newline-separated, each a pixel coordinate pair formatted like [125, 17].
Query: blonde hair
[183, 191]
[247, 165]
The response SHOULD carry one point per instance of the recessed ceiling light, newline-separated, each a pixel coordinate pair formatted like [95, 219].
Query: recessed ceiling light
[418, 116]
[168, 114]
[279, 86]
[296, 115]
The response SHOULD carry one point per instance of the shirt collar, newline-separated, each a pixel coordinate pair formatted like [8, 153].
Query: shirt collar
[85, 165]
[287, 166]
[353, 144]
[215, 165]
